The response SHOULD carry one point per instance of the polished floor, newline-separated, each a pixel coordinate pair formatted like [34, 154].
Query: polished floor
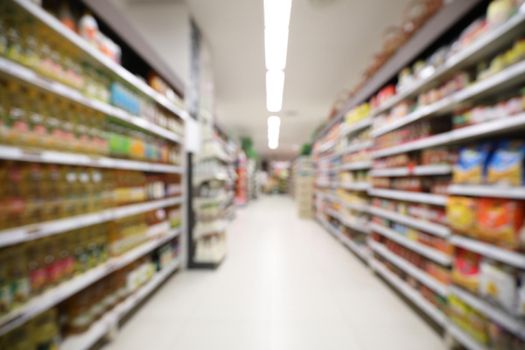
[286, 284]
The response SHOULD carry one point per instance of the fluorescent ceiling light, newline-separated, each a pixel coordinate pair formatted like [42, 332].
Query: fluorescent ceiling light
[277, 13]
[275, 47]
[276, 23]
[274, 90]
[274, 123]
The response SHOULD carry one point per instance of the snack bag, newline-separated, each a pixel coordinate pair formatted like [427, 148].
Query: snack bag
[500, 221]
[506, 165]
[461, 214]
[466, 269]
[471, 164]
[499, 285]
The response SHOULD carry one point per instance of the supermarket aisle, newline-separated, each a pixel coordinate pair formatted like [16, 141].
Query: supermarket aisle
[287, 284]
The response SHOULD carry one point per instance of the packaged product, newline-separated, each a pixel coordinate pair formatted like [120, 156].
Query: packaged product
[506, 164]
[435, 156]
[461, 214]
[6, 299]
[471, 164]
[499, 11]
[500, 221]
[124, 98]
[466, 269]
[45, 330]
[88, 28]
[440, 273]
[469, 319]
[501, 339]
[498, 284]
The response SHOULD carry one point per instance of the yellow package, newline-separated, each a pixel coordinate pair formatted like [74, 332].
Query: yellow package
[461, 214]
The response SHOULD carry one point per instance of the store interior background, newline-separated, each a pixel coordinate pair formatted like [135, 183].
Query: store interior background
[400, 206]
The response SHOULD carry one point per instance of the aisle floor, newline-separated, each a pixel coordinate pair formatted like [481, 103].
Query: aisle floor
[286, 284]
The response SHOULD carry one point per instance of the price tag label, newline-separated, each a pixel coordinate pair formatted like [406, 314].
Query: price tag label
[32, 153]
[33, 231]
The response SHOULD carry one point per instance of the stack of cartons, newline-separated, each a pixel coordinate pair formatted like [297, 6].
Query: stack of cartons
[304, 186]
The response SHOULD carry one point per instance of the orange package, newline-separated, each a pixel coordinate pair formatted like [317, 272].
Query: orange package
[438, 272]
[500, 221]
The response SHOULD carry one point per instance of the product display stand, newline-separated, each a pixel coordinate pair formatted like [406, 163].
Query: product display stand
[214, 179]
[241, 188]
[303, 175]
[95, 163]
[416, 176]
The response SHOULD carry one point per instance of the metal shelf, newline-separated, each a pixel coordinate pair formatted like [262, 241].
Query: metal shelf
[483, 46]
[115, 68]
[27, 75]
[413, 295]
[489, 250]
[426, 226]
[205, 229]
[360, 250]
[495, 83]
[436, 26]
[427, 142]
[412, 270]
[56, 157]
[63, 291]
[419, 170]
[422, 249]
[363, 228]
[494, 127]
[326, 146]
[356, 186]
[488, 191]
[43, 229]
[509, 322]
[356, 147]
[418, 197]
[355, 127]
[466, 340]
[353, 206]
[109, 321]
[362, 165]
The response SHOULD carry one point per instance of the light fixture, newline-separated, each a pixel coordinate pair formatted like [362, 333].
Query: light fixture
[274, 90]
[274, 123]
[275, 47]
[276, 23]
[277, 13]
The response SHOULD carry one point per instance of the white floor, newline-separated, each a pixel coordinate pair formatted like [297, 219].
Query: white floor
[286, 284]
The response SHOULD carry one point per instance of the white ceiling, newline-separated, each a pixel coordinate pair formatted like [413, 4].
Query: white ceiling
[330, 44]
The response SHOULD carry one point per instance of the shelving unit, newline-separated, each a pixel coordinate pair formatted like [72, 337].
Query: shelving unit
[303, 174]
[413, 271]
[508, 321]
[214, 189]
[436, 229]
[60, 293]
[111, 320]
[433, 312]
[360, 251]
[147, 144]
[410, 196]
[72, 38]
[29, 76]
[409, 182]
[35, 231]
